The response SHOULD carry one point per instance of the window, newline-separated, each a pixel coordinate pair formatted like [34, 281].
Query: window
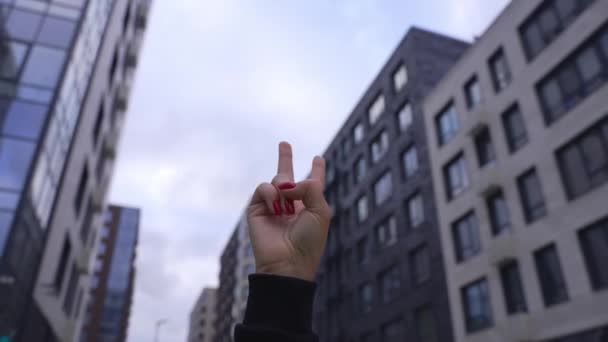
[531, 194]
[386, 232]
[82, 185]
[515, 300]
[583, 162]
[400, 77]
[500, 71]
[43, 66]
[393, 331]
[415, 210]
[366, 297]
[15, 158]
[547, 22]
[12, 56]
[113, 66]
[383, 188]
[410, 161]
[346, 147]
[22, 25]
[484, 147]
[362, 209]
[594, 244]
[580, 75]
[358, 132]
[68, 300]
[363, 251]
[376, 109]
[472, 92]
[404, 117]
[500, 220]
[360, 170]
[390, 283]
[420, 265]
[57, 32]
[456, 176]
[98, 124]
[515, 129]
[379, 146]
[22, 119]
[62, 264]
[447, 124]
[466, 237]
[426, 327]
[477, 307]
[550, 276]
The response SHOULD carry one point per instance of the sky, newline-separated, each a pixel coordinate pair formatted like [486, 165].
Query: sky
[219, 84]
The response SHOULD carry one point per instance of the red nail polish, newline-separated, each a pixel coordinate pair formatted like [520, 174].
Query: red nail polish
[291, 209]
[286, 186]
[277, 208]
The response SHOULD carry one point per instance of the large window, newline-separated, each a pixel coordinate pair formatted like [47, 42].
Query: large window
[415, 210]
[360, 170]
[515, 128]
[465, 232]
[383, 188]
[500, 218]
[410, 161]
[477, 306]
[594, 243]
[376, 109]
[484, 147]
[447, 124]
[550, 276]
[15, 158]
[12, 56]
[358, 133]
[43, 66]
[531, 195]
[500, 71]
[57, 32]
[472, 92]
[583, 162]
[404, 117]
[515, 300]
[580, 75]
[386, 232]
[379, 146]
[366, 297]
[426, 327]
[456, 176]
[362, 209]
[390, 284]
[547, 22]
[420, 264]
[400, 77]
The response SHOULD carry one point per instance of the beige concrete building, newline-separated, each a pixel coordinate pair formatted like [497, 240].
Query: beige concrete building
[518, 134]
[202, 317]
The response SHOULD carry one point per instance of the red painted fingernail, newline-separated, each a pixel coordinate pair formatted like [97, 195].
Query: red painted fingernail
[277, 208]
[285, 186]
[291, 209]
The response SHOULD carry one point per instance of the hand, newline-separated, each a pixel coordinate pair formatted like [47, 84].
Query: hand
[288, 222]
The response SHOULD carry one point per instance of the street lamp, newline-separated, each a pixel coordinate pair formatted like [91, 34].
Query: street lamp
[157, 327]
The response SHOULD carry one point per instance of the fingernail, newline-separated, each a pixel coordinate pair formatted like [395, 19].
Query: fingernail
[290, 207]
[288, 185]
[277, 208]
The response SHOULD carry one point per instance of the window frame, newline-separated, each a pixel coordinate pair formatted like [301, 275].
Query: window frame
[376, 108]
[498, 58]
[483, 289]
[529, 208]
[409, 172]
[484, 147]
[464, 252]
[465, 181]
[384, 180]
[514, 143]
[497, 227]
[470, 88]
[416, 197]
[512, 288]
[559, 281]
[449, 111]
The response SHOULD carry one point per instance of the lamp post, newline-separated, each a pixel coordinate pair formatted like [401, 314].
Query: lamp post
[157, 327]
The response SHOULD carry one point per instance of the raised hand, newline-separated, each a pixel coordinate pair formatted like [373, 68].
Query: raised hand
[288, 222]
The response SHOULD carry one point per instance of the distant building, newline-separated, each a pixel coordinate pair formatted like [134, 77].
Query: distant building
[224, 319]
[518, 139]
[107, 314]
[66, 70]
[202, 317]
[245, 267]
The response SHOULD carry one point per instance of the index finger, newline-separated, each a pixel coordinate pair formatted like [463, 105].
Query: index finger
[285, 161]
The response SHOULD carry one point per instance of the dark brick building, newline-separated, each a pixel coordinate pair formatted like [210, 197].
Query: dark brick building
[225, 320]
[382, 277]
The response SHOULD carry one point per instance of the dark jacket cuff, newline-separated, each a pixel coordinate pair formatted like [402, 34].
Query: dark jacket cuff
[276, 301]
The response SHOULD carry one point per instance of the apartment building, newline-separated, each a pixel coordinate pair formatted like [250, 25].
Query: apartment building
[202, 317]
[518, 140]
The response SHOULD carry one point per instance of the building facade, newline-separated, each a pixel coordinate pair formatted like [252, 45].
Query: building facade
[113, 277]
[245, 266]
[382, 276]
[518, 139]
[224, 319]
[66, 68]
[202, 317]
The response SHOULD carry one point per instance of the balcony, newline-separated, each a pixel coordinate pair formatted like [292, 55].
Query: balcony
[142, 13]
[121, 97]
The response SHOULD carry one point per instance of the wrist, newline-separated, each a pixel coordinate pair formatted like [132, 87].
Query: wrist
[287, 269]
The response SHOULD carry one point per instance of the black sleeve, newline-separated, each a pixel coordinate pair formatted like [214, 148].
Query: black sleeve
[279, 309]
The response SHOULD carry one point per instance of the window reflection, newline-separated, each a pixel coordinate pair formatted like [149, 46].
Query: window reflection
[56, 32]
[22, 24]
[11, 58]
[15, 157]
[43, 66]
[23, 120]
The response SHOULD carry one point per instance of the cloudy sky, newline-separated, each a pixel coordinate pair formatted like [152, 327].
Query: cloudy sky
[220, 83]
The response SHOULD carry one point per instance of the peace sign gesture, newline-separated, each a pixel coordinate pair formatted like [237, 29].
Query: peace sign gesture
[288, 221]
